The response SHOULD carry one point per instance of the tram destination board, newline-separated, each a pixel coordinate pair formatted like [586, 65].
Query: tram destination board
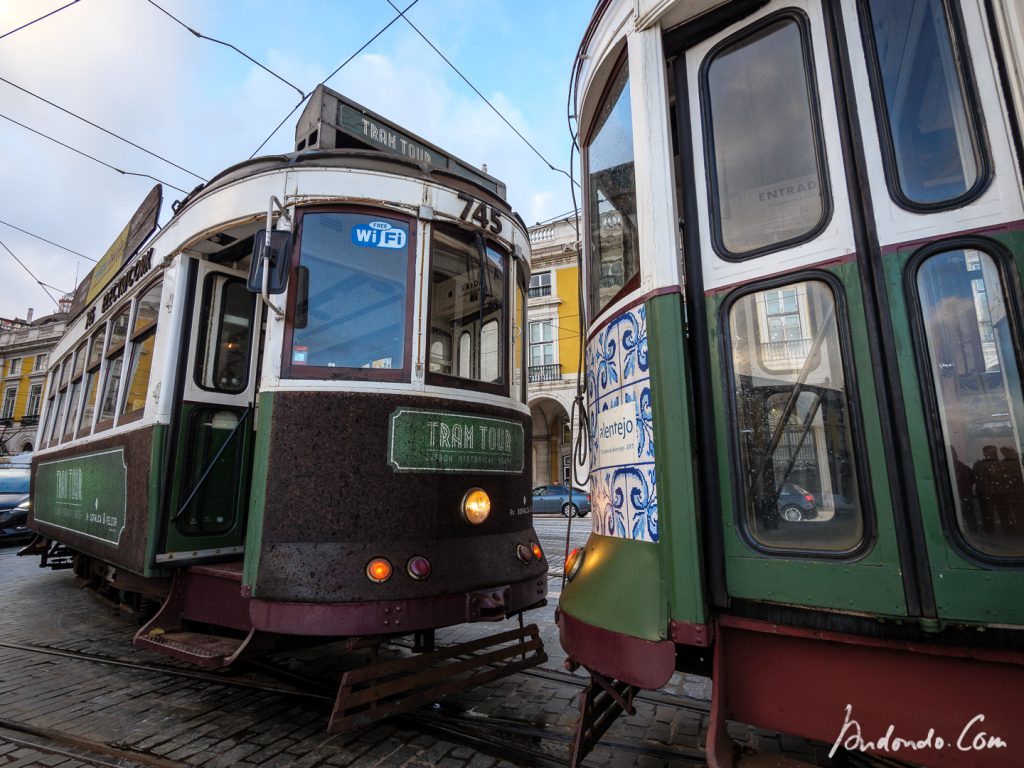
[331, 121]
[439, 441]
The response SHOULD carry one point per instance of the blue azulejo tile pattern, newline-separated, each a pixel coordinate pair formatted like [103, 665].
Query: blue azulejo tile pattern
[623, 493]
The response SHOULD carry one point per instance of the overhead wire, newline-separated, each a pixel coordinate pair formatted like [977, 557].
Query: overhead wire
[38, 237]
[227, 45]
[42, 285]
[94, 159]
[477, 92]
[101, 128]
[34, 21]
[362, 48]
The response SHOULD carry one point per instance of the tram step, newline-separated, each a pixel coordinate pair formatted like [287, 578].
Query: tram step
[384, 688]
[195, 647]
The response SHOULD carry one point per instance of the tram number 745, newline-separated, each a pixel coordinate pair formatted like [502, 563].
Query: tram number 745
[483, 214]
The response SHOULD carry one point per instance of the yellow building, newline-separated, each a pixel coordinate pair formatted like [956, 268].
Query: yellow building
[24, 352]
[553, 354]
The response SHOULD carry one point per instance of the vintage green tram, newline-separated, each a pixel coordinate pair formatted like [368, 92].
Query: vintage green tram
[300, 409]
[803, 245]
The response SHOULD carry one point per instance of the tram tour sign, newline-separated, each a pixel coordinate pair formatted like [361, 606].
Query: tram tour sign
[84, 494]
[440, 441]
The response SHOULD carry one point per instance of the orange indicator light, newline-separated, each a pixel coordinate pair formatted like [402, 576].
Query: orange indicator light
[378, 570]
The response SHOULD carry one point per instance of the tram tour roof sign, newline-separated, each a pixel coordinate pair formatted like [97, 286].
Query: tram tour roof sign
[331, 121]
[134, 234]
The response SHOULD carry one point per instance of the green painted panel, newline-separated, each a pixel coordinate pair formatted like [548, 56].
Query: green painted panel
[438, 441]
[258, 495]
[85, 494]
[679, 528]
[618, 588]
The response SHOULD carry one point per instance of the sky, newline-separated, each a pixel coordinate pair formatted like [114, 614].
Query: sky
[128, 67]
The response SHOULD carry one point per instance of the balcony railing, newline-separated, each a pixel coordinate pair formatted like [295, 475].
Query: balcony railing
[545, 373]
[536, 291]
[785, 351]
[30, 420]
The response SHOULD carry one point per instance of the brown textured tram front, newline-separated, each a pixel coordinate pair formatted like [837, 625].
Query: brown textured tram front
[333, 502]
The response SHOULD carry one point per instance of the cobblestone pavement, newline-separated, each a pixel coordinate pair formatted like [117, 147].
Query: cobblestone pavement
[68, 711]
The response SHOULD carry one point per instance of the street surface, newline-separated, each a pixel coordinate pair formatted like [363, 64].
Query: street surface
[74, 692]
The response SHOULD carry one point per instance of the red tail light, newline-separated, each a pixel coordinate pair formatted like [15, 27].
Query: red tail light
[809, 497]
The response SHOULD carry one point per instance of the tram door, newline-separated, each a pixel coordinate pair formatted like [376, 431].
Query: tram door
[214, 439]
[833, 341]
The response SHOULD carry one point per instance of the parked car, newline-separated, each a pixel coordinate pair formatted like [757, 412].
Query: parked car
[555, 498]
[796, 503]
[14, 484]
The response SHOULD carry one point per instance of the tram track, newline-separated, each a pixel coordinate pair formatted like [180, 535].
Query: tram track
[527, 742]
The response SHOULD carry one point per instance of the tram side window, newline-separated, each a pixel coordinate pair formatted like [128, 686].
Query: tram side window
[222, 358]
[976, 375]
[62, 399]
[928, 131]
[767, 181]
[467, 303]
[143, 340]
[115, 359]
[797, 475]
[611, 195]
[51, 406]
[354, 315]
[75, 389]
[92, 378]
[55, 402]
[519, 344]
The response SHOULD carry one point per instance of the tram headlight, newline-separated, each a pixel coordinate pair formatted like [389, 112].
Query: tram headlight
[573, 563]
[476, 505]
[378, 570]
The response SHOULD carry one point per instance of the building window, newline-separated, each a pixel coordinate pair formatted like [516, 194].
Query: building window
[40, 364]
[35, 393]
[540, 285]
[10, 396]
[14, 367]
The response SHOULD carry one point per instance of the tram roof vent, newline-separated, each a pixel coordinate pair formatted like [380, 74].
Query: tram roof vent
[332, 121]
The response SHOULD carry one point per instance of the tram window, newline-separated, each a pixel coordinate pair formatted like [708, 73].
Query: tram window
[928, 130]
[75, 390]
[798, 470]
[92, 378]
[115, 359]
[51, 404]
[222, 358]
[62, 400]
[358, 292]
[214, 508]
[519, 343]
[611, 195]
[143, 340]
[767, 180]
[976, 376]
[467, 303]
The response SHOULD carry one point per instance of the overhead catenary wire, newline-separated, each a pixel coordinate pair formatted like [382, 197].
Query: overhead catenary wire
[341, 66]
[227, 45]
[94, 159]
[101, 128]
[42, 285]
[477, 92]
[38, 237]
[34, 21]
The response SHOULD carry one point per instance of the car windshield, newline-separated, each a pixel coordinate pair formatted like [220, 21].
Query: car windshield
[14, 480]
